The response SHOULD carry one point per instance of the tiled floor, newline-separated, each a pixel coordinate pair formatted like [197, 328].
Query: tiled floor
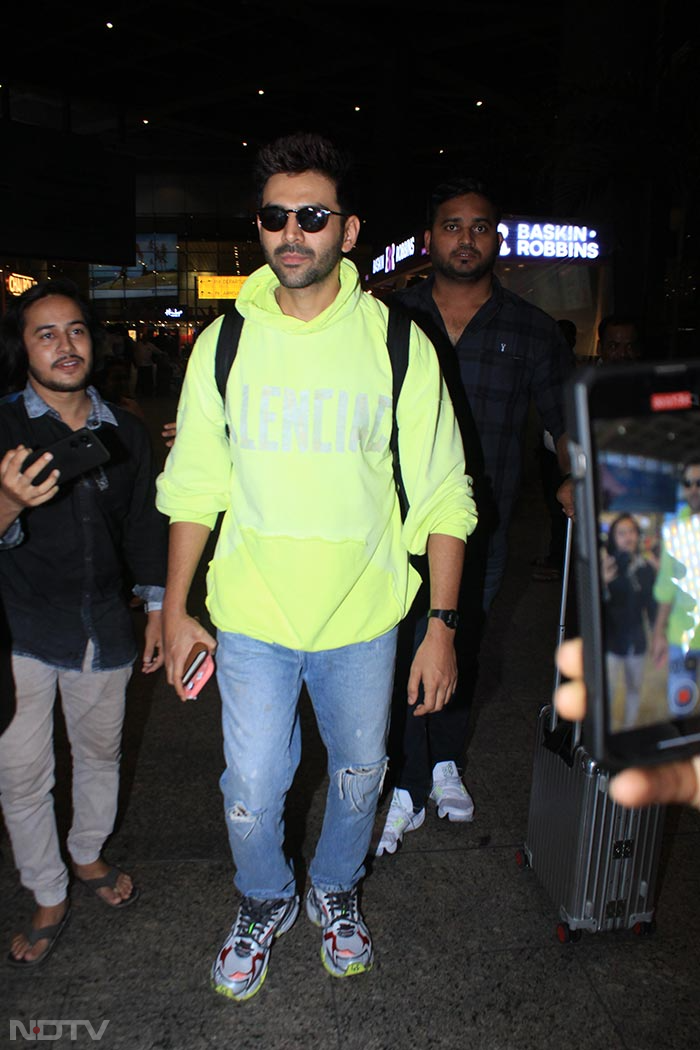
[467, 953]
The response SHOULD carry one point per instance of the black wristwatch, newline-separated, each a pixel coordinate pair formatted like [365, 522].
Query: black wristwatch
[450, 617]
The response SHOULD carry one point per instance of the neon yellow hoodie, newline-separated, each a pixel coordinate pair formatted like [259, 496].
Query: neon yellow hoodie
[312, 553]
[677, 579]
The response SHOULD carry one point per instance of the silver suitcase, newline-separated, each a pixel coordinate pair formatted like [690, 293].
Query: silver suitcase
[597, 860]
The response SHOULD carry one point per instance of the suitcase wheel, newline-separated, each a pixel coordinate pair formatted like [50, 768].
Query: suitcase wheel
[521, 859]
[644, 929]
[566, 935]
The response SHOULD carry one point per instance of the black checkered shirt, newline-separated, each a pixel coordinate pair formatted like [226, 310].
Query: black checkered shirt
[510, 353]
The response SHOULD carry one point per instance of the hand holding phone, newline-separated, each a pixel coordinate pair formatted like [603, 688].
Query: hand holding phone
[199, 668]
[677, 782]
[635, 458]
[72, 455]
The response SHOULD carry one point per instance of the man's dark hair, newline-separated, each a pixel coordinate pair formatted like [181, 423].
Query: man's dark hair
[614, 320]
[306, 151]
[13, 355]
[458, 187]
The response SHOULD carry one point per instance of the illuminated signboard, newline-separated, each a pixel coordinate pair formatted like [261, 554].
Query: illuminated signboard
[534, 240]
[154, 273]
[16, 283]
[219, 287]
[541, 239]
[399, 256]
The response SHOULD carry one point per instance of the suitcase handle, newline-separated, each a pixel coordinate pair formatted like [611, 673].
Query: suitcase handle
[566, 572]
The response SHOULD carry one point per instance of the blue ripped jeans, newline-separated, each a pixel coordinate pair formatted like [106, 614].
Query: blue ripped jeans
[350, 690]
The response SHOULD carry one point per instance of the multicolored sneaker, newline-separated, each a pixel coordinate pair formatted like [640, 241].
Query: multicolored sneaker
[346, 948]
[241, 966]
[452, 798]
[400, 819]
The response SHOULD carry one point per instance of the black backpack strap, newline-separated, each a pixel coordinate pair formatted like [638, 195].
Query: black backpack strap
[226, 347]
[398, 337]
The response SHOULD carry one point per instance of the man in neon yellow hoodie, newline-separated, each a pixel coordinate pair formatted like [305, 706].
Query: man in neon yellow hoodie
[675, 642]
[311, 572]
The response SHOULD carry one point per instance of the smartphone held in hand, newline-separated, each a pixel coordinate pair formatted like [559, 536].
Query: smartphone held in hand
[198, 670]
[73, 455]
[634, 443]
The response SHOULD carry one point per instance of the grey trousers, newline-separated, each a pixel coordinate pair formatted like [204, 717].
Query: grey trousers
[93, 708]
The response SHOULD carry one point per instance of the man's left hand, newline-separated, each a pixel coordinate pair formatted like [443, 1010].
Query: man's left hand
[565, 495]
[435, 667]
[153, 655]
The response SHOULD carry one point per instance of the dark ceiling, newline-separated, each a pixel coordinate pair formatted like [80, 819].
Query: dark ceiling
[398, 83]
[195, 70]
[415, 90]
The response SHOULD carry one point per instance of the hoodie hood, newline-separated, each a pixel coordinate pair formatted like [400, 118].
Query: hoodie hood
[257, 301]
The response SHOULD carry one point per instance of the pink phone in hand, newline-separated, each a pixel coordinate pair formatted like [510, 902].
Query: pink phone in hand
[200, 667]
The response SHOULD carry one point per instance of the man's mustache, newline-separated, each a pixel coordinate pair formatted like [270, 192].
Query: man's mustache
[67, 357]
[293, 249]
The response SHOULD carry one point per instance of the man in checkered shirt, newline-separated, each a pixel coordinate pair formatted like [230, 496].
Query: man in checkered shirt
[498, 353]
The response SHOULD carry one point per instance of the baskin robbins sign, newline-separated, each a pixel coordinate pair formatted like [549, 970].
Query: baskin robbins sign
[397, 256]
[524, 239]
[544, 239]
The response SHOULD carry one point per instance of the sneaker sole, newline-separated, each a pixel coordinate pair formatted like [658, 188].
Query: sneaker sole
[456, 819]
[353, 970]
[222, 989]
[390, 850]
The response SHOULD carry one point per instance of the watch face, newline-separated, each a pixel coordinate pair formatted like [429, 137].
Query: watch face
[450, 617]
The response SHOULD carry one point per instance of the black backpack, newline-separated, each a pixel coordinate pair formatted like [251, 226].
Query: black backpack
[398, 337]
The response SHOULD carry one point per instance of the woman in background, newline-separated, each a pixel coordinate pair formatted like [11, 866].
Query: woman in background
[630, 610]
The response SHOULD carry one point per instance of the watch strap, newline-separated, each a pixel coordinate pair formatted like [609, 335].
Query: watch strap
[450, 617]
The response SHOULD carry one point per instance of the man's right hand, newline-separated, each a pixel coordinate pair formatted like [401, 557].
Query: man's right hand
[180, 633]
[670, 782]
[16, 487]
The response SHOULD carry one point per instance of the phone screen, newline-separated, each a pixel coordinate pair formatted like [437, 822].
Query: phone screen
[645, 454]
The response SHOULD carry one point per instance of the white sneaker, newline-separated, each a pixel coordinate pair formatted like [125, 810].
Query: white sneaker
[399, 820]
[452, 798]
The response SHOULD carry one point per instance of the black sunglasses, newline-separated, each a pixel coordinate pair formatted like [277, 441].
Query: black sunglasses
[273, 217]
[690, 484]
